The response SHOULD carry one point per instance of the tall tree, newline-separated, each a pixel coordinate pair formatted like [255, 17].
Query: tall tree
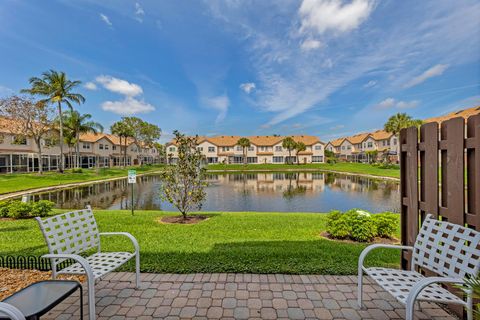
[142, 133]
[122, 130]
[400, 121]
[245, 144]
[299, 147]
[30, 119]
[57, 89]
[79, 124]
[289, 144]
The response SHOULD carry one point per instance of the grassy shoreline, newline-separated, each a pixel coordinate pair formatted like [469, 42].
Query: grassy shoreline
[341, 167]
[257, 242]
[26, 181]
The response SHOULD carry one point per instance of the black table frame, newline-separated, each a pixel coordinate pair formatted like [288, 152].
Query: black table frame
[54, 303]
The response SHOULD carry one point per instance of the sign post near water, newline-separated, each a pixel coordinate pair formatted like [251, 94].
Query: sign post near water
[132, 179]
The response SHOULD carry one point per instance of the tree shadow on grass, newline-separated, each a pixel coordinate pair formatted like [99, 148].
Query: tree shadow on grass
[288, 257]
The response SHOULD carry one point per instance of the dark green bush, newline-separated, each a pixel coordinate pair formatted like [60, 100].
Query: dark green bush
[77, 170]
[17, 209]
[387, 224]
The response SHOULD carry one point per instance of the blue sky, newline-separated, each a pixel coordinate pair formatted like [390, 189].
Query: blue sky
[327, 68]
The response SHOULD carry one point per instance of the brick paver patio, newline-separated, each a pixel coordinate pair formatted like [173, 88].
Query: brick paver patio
[240, 296]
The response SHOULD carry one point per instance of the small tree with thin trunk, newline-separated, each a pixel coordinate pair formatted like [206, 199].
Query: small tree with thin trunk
[31, 119]
[183, 183]
[245, 144]
[289, 144]
[299, 147]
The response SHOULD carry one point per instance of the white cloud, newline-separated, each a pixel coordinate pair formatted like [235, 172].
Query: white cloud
[119, 86]
[90, 86]
[332, 15]
[139, 12]
[392, 103]
[247, 87]
[434, 71]
[310, 44]
[219, 103]
[370, 84]
[105, 19]
[337, 127]
[127, 106]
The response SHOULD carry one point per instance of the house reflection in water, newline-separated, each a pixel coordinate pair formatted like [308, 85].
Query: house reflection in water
[282, 191]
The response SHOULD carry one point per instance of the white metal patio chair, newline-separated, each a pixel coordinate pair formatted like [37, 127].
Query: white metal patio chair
[451, 251]
[70, 234]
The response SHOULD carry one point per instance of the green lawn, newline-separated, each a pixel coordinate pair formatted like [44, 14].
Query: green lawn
[360, 168]
[227, 242]
[25, 181]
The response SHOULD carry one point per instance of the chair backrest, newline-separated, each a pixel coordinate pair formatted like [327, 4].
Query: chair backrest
[72, 232]
[447, 249]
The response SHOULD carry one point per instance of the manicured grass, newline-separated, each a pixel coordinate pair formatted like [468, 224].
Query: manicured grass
[25, 181]
[360, 168]
[264, 242]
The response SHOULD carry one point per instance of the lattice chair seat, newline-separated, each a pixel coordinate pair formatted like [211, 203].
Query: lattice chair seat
[450, 251]
[101, 263]
[399, 283]
[72, 234]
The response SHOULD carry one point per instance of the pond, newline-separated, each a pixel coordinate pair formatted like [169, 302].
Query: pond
[281, 192]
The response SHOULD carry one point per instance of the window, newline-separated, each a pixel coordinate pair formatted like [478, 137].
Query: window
[101, 147]
[278, 148]
[251, 148]
[224, 149]
[318, 147]
[277, 159]
[200, 149]
[171, 149]
[370, 144]
[395, 141]
[349, 147]
[251, 159]
[239, 148]
[19, 139]
[263, 148]
[211, 149]
[317, 159]
[364, 145]
[86, 145]
[114, 147]
[343, 147]
[106, 147]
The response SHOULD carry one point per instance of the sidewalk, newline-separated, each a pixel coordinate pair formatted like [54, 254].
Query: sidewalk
[239, 296]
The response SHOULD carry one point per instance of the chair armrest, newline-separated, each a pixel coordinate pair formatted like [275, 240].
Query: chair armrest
[367, 250]
[11, 311]
[422, 284]
[125, 234]
[84, 263]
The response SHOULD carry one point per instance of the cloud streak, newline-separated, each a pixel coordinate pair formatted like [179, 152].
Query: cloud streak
[105, 19]
[435, 71]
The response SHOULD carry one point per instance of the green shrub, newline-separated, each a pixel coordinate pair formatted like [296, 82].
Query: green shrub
[77, 170]
[387, 224]
[363, 228]
[17, 209]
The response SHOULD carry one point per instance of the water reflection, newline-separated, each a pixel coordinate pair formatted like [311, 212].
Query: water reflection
[284, 192]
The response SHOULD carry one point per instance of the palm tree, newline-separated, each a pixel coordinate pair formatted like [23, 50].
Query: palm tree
[57, 89]
[400, 121]
[121, 129]
[299, 147]
[289, 144]
[244, 143]
[78, 124]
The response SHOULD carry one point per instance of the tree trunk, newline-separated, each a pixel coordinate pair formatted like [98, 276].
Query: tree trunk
[61, 162]
[39, 152]
[77, 147]
[244, 156]
[289, 156]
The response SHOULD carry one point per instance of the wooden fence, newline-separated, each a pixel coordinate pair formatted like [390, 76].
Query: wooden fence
[440, 175]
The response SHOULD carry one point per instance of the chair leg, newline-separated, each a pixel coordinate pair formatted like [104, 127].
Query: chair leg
[54, 269]
[137, 270]
[469, 307]
[91, 298]
[360, 289]
[409, 310]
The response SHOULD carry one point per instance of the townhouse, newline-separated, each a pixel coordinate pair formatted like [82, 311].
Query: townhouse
[263, 149]
[359, 147]
[19, 153]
